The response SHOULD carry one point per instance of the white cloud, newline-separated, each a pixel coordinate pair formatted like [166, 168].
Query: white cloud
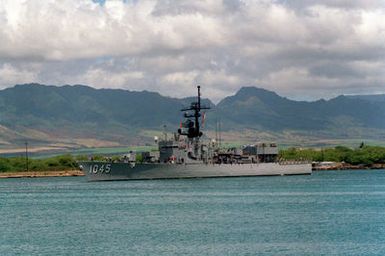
[101, 78]
[180, 78]
[10, 74]
[70, 29]
[298, 48]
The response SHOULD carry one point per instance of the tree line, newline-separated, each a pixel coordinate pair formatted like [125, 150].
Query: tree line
[365, 155]
[21, 164]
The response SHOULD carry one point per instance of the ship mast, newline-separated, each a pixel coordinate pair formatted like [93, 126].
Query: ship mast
[193, 128]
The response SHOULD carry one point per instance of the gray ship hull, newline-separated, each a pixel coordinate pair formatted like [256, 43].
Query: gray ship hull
[104, 171]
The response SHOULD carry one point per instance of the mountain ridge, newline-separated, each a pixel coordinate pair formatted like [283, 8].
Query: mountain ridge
[78, 112]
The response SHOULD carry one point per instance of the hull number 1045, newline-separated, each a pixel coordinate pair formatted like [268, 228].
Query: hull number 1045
[100, 168]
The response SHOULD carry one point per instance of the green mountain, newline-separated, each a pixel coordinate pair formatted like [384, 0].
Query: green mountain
[43, 114]
[48, 106]
[78, 116]
[253, 107]
[371, 98]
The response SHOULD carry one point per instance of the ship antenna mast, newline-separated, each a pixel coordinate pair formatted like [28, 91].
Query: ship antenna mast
[194, 130]
[197, 111]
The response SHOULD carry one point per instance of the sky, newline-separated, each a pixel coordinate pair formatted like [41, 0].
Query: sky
[303, 50]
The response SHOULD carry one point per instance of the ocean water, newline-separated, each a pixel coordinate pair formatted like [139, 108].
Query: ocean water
[327, 213]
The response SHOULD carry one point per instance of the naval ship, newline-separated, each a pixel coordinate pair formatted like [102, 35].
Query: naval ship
[187, 155]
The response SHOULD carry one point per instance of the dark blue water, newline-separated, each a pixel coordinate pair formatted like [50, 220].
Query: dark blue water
[327, 213]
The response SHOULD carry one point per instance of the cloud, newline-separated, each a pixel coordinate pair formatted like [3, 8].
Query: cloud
[102, 78]
[301, 49]
[14, 75]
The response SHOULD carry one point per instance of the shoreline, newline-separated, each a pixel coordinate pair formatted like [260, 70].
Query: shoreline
[78, 173]
[41, 174]
[336, 166]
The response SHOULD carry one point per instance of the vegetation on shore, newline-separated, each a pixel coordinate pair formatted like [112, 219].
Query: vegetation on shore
[365, 155]
[50, 164]
[19, 164]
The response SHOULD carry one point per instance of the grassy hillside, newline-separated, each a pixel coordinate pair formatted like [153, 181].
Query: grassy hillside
[68, 117]
[253, 107]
